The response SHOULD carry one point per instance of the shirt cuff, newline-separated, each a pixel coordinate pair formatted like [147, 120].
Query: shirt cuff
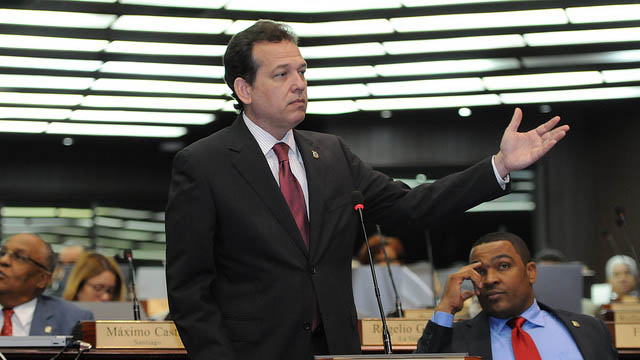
[442, 319]
[502, 182]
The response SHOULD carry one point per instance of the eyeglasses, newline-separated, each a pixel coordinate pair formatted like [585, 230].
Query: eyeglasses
[99, 288]
[16, 256]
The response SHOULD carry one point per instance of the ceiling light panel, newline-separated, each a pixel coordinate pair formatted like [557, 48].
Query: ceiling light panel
[48, 63]
[115, 130]
[34, 127]
[204, 4]
[427, 102]
[160, 86]
[614, 76]
[571, 95]
[40, 99]
[331, 107]
[51, 43]
[341, 72]
[157, 48]
[56, 18]
[47, 82]
[342, 51]
[582, 37]
[143, 117]
[413, 3]
[480, 20]
[454, 44]
[310, 6]
[132, 67]
[171, 24]
[606, 57]
[337, 91]
[542, 80]
[155, 102]
[441, 86]
[331, 28]
[447, 67]
[33, 113]
[606, 13]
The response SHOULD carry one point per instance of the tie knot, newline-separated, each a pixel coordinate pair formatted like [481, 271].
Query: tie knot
[516, 322]
[282, 151]
[7, 312]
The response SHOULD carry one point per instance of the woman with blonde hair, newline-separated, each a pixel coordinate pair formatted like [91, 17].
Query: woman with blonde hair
[95, 277]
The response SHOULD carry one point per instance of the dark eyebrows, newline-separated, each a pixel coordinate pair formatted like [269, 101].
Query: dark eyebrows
[496, 258]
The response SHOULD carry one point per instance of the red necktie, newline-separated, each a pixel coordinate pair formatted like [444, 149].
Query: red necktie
[292, 191]
[7, 328]
[523, 346]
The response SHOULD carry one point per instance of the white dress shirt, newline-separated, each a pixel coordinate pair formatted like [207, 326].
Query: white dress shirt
[22, 317]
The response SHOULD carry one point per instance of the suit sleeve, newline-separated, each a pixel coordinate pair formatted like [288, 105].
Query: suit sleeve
[191, 271]
[435, 339]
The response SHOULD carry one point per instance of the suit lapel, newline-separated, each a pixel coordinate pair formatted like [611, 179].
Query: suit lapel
[248, 159]
[40, 324]
[479, 336]
[580, 339]
[315, 171]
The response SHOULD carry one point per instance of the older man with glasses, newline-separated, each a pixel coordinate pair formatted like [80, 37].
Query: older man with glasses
[26, 264]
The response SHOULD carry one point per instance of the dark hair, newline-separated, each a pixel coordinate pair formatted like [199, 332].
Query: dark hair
[551, 255]
[238, 59]
[518, 244]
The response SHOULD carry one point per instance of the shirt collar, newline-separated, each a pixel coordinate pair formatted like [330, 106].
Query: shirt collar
[533, 314]
[266, 140]
[24, 312]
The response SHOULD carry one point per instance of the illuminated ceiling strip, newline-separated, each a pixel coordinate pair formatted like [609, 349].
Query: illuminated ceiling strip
[605, 13]
[40, 99]
[51, 43]
[33, 127]
[414, 3]
[159, 86]
[337, 91]
[157, 48]
[542, 80]
[33, 113]
[454, 44]
[331, 107]
[331, 28]
[342, 51]
[156, 102]
[205, 4]
[606, 57]
[341, 72]
[309, 7]
[439, 86]
[47, 82]
[427, 102]
[48, 63]
[143, 117]
[582, 36]
[571, 95]
[480, 20]
[56, 18]
[115, 130]
[171, 24]
[131, 67]
[447, 67]
[614, 76]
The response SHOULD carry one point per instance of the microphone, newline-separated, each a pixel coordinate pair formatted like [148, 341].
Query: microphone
[399, 312]
[434, 278]
[136, 304]
[621, 221]
[358, 205]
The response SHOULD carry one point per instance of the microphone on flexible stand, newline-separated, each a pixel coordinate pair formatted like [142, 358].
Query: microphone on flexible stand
[427, 239]
[358, 205]
[399, 312]
[621, 221]
[136, 304]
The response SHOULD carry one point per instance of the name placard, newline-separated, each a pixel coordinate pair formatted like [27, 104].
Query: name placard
[625, 306]
[627, 336]
[402, 331]
[418, 313]
[137, 335]
[626, 317]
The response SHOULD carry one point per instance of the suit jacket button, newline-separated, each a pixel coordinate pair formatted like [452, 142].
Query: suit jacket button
[306, 325]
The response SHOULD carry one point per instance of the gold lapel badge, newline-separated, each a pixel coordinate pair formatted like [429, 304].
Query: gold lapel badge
[315, 154]
[48, 329]
[575, 323]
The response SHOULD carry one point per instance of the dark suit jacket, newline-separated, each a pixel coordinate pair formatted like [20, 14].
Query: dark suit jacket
[241, 283]
[55, 316]
[473, 336]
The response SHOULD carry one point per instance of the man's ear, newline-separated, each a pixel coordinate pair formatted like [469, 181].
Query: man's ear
[532, 272]
[243, 89]
[43, 280]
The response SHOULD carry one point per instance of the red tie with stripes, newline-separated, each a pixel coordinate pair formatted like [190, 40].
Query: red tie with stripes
[7, 327]
[292, 191]
[523, 346]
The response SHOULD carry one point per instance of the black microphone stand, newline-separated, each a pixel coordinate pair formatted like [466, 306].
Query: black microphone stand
[136, 304]
[621, 221]
[399, 313]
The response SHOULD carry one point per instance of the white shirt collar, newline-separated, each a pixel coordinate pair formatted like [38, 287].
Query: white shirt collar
[266, 140]
[24, 313]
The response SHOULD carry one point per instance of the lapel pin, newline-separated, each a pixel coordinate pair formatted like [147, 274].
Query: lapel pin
[575, 323]
[315, 154]
[48, 329]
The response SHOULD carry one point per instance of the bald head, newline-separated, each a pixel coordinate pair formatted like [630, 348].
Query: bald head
[41, 250]
[70, 254]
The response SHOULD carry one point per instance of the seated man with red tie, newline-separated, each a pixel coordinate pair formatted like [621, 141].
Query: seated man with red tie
[26, 264]
[512, 325]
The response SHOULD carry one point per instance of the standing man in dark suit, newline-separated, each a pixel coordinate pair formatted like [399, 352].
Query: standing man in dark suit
[26, 264]
[260, 222]
[512, 323]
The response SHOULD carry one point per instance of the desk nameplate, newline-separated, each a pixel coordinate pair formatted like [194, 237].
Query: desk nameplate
[627, 336]
[403, 331]
[127, 334]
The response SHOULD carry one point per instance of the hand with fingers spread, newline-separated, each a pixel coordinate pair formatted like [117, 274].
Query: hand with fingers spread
[521, 149]
[453, 297]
